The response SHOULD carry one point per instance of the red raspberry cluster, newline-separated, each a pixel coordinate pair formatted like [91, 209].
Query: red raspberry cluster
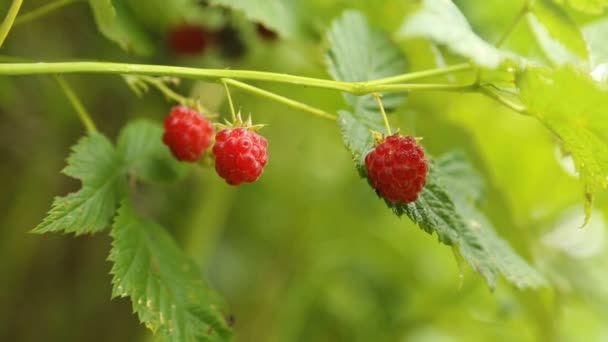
[397, 169]
[240, 153]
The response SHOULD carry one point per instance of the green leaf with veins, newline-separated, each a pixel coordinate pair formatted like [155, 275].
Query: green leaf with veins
[442, 22]
[446, 206]
[445, 210]
[576, 114]
[115, 21]
[140, 145]
[558, 36]
[95, 162]
[359, 53]
[166, 288]
[103, 171]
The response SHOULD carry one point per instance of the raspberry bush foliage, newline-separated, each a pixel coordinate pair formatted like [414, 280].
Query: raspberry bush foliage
[484, 124]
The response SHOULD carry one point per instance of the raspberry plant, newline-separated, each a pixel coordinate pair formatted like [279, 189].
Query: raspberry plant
[560, 82]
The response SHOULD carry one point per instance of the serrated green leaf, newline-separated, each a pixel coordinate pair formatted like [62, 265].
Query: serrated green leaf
[357, 138]
[558, 36]
[165, 287]
[442, 22]
[278, 15]
[576, 114]
[360, 53]
[114, 20]
[447, 208]
[91, 209]
[585, 6]
[460, 176]
[140, 145]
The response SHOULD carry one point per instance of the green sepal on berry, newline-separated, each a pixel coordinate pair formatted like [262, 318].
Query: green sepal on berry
[238, 123]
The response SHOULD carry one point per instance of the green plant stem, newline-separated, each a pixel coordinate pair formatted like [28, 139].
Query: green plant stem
[225, 82]
[6, 25]
[281, 99]
[416, 75]
[504, 101]
[166, 90]
[42, 11]
[358, 88]
[407, 87]
[384, 117]
[83, 115]
[524, 10]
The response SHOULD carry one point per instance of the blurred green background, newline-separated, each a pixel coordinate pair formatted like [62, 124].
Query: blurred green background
[308, 253]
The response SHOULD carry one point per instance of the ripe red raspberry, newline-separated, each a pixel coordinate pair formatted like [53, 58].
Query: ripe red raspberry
[397, 169]
[240, 155]
[187, 133]
[188, 39]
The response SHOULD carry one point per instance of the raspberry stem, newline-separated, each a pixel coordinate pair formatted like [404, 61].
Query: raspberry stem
[378, 98]
[279, 98]
[6, 25]
[83, 115]
[163, 88]
[232, 112]
[503, 100]
[416, 75]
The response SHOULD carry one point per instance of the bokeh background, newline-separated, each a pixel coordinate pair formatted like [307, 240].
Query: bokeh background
[308, 253]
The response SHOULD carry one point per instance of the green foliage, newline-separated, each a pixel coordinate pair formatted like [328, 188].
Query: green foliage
[576, 115]
[90, 210]
[558, 36]
[103, 172]
[361, 53]
[165, 287]
[278, 15]
[448, 212]
[140, 145]
[115, 21]
[442, 22]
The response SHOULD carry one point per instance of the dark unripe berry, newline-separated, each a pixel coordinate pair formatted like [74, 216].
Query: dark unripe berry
[265, 33]
[240, 155]
[231, 43]
[187, 133]
[397, 169]
[188, 39]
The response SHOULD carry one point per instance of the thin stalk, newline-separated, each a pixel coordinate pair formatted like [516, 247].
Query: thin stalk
[503, 100]
[384, 116]
[416, 75]
[83, 115]
[164, 70]
[194, 73]
[166, 90]
[6, 25]
[42, 11]
[232, 112]
[281, 99]
[407, 87]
